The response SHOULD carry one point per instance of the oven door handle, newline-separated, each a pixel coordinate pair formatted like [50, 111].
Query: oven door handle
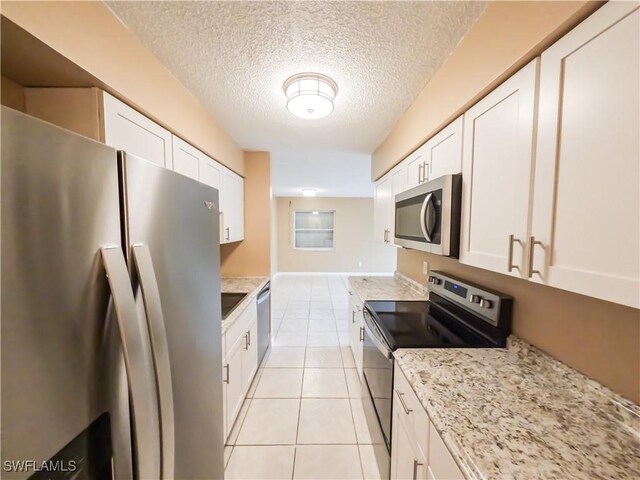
[386, 351]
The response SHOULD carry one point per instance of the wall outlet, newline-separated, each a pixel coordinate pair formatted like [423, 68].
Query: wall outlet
[425, 268]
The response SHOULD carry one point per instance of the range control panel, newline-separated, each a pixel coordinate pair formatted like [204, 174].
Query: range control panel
[492, 306]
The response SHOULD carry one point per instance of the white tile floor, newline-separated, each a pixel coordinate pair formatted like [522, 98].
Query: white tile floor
[303, 418]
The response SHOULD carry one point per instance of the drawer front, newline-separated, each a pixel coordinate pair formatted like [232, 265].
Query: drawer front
[442, 466]
[241, 325]
[406, 402]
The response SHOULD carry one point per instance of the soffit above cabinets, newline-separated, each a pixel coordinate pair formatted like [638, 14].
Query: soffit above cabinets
[235, 56]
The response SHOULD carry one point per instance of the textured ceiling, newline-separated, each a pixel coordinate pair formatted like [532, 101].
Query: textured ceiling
[332, 175]
[235, 56]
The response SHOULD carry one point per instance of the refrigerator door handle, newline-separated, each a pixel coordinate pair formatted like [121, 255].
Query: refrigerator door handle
[141, 257]
[138, 365]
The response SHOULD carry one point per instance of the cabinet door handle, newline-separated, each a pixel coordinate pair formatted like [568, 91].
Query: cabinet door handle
[353, 316]
[510, 265]
[226, 370]
[425, 171]
[532, 243]
[248, 338]
[416, 464]
[228, 234]
[406, 409]
[362, 334]
[420, 170]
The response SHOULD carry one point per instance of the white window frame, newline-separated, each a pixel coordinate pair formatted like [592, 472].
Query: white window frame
[313, 249]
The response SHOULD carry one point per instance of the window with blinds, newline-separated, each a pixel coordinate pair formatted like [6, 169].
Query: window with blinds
[313, 230]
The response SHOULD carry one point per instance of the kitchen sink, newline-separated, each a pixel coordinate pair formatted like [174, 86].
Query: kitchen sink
[230, 301]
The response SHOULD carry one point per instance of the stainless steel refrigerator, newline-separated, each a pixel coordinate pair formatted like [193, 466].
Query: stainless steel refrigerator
[110, 303]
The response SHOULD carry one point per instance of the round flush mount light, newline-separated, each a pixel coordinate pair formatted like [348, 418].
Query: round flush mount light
[308, 192]
[310, 95]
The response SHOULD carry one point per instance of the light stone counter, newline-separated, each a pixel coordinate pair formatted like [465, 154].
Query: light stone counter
[250, 285]
[397, 287]
[518, 413]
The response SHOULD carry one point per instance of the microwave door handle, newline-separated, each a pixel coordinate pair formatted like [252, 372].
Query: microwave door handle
[423, 217]
[141, 257]
[138, 364]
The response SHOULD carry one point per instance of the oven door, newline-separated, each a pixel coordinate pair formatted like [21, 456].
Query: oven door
[377, 367]
[427, 217]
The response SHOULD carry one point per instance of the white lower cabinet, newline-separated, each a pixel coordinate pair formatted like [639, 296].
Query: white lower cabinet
[407, 460]
[240, 363]
[356, 328]
[250, 355]
[233, 384]
[417, 451]
[442, 466]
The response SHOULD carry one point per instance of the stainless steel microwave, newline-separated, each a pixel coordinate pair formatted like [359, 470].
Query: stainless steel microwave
[428, 216]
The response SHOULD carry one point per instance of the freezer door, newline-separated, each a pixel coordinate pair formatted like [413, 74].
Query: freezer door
[66, 373]
[175, 219]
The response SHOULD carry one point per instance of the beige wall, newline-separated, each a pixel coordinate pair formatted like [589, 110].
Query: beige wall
[88, 34]
[353, 238]
[251, 257]
[12, 94]
[274, 234]
[505, 38]
[599, 338]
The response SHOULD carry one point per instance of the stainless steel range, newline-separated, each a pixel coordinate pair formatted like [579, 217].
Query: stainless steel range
[458, 314]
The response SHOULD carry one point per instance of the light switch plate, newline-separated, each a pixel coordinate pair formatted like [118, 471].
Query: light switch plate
[425, 268]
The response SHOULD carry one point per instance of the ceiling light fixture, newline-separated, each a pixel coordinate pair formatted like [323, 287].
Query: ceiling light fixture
[308, 192]
[310, 95]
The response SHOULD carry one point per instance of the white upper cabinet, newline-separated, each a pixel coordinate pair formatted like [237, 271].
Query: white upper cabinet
[386, 188]
[443, 152]
[496, 175]
[382, 198]
[414, 166]
[193, 163]
[231, 207]
[128, 130]
[397, 186]
[186, 159]
[585, 209]
[210, 172]
[441, 155]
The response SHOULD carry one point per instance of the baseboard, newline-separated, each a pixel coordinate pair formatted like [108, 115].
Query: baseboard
[349, 274]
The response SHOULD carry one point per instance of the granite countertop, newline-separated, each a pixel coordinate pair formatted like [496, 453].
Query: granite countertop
[250, 285]
[397, 287]
[518, 413]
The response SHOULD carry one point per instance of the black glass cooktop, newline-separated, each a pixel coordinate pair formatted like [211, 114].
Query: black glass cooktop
[436, 323]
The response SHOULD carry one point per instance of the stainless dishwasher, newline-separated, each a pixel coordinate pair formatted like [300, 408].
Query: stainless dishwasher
[264, 320]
